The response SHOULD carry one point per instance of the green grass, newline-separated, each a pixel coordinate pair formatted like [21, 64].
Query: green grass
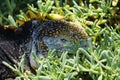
[101, 20]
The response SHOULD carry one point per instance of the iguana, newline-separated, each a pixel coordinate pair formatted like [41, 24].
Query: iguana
[36, 36]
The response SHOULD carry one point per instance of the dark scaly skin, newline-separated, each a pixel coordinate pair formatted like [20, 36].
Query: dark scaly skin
[15, 42]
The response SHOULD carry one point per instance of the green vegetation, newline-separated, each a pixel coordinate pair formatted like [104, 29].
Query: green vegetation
[100, 18]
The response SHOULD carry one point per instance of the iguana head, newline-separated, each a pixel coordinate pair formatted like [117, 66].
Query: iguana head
[49, 35]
